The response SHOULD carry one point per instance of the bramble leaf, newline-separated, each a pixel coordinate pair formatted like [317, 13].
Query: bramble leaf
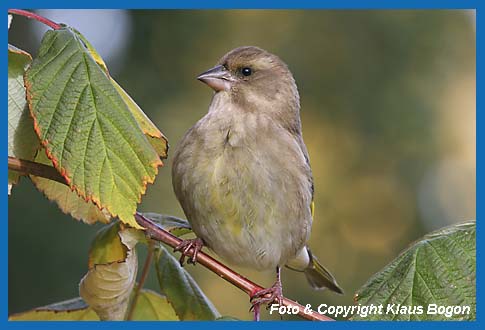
[86, 127]
[151, 306]
[183, 293]
[156, 138]
[174, 225]
[113, 266]
[68, 200]
[439, 269]
[22, 141]
[107, 246]
[69, 310]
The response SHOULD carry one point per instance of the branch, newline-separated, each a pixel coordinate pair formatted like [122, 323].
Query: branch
[38, 18]
[27, 167]
[159, 234]
[249, 287]
[141, 282]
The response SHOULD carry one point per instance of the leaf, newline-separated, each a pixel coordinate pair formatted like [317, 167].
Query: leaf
[69, 310]
[107, 246]
[438, 269]
[183, 293]
[68, 200]
[151, 306]
[87, 129]
[174, 225]
[156, 138]
[22, 141]
[227, 318]
[107, 286]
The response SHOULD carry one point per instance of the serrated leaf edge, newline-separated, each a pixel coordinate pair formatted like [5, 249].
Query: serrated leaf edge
[62, 171]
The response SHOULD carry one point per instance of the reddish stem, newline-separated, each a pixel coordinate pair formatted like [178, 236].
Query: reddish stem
[26, 167]
[39, 18]
[141, 282]
[249, 287]
[157, 233]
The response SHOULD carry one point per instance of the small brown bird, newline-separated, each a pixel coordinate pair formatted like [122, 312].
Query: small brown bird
[242, 172]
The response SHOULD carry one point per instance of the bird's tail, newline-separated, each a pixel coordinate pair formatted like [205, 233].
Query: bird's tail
[317, 275]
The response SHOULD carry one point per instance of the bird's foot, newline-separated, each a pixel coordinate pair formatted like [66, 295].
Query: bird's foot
[185, 246]
[266, 296]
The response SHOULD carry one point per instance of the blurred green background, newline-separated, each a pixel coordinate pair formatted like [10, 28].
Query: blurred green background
[388, 113]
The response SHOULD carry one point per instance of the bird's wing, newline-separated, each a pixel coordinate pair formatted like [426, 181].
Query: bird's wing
[304, 150]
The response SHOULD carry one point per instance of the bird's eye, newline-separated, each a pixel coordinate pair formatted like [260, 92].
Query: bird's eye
[246, 71]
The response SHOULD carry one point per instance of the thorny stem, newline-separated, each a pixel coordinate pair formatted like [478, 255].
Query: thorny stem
[153, 231]
[141, 282]
[38, 18]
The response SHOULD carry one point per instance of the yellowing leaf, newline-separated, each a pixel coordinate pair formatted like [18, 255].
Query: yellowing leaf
[151, 306]
[69, 310]
[86, 127]
[68, 200]
[153, 134]
[156, 138]
[107, 286]
[22, 141]
[107, 246]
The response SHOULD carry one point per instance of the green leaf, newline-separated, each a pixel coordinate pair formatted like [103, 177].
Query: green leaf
[68, 200]
[151, 306]
[87, 129]
[156, 138]
[439, 269]
[188, 300]
[227, 318]
[174, 225]
[113, 262]
[22, 141]
[69, 310]
[107, 246]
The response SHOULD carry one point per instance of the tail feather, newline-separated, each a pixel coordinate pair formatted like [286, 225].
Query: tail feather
[319, 277]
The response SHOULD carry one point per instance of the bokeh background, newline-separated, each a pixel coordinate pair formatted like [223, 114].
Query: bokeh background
[388, 113]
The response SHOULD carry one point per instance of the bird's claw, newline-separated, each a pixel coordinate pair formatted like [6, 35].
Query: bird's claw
[267, 296]
[185, 246]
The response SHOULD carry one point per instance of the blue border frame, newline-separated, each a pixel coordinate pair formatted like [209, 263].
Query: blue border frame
[249, 4]
[246, 4]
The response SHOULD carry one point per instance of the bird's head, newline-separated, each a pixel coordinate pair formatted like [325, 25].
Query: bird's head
[254, 79]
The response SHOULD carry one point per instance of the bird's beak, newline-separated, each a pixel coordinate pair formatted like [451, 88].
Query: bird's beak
[218, 78]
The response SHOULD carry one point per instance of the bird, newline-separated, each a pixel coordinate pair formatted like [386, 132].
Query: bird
[242, 173]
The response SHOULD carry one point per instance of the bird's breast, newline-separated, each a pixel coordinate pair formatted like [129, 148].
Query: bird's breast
[245, 190]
